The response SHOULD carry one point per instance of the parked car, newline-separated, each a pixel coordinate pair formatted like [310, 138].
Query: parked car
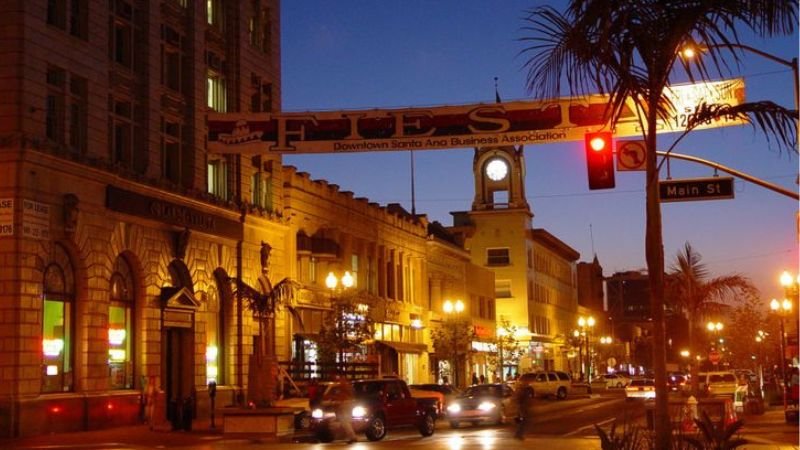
[719, 383]
[644, 388]
[556, 384]
[492, 403]
[616, 380]
[379, 405]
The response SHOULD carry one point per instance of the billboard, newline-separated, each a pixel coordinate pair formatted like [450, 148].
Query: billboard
[442, 127]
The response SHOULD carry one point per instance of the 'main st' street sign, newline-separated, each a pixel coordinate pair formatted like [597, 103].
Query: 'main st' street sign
[693, 189]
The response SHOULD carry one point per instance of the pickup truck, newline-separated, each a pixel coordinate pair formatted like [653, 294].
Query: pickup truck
[379, 405]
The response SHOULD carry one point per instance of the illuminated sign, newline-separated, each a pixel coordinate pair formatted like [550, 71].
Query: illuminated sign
[116, 355]
[464, 126]
[52, 347]
[116, 336]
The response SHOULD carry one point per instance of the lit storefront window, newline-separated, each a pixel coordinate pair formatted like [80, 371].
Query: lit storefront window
[120, 311]
[57, 324]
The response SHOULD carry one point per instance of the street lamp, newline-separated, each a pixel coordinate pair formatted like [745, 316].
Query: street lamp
[760, 336]
[586, 324]
[690, 52]
[782, 309]
[332, 281]
[452, 309]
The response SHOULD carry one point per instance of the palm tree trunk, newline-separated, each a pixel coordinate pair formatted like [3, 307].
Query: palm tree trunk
[654, 250]
[695, 385]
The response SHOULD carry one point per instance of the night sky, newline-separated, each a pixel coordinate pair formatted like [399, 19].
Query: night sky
[377, 54]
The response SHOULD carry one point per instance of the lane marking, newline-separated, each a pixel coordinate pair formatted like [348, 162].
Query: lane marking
[601, 423]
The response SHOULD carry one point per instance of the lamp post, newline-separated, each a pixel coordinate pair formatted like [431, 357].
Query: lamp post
[453, 309]
[690, 52]
[586, 324]
[333, 283]
[759, 341]
[781, 309]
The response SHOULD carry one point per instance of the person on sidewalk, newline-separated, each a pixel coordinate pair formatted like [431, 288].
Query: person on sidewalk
[344, 410]
[524, 399]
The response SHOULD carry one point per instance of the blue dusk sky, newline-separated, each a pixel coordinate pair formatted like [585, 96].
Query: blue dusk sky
[379, 54]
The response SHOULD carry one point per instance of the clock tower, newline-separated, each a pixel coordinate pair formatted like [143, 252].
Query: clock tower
[499, 179]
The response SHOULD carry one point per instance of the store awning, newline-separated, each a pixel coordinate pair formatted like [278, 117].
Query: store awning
[405, 347]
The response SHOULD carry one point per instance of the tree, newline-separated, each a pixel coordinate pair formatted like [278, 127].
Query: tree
[264, 304]
[508, 349]
[347, 325]
[453, 337]
[628, 49]
[747, 320]
[689, 286]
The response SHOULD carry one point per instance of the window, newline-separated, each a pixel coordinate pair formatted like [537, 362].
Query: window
[216, 92]
[171, 58]
[78, 106]
[171, 150]
[218, 178]
[214, 14]
[354, 269]
[54, 104]
[79, 18]
[57, 13]
[122, 42]
[502, 288]
[57, 346]
[120, 327]
[74, 12]
[497, 257]
[261, 194]
[121, 123]
[215, 337]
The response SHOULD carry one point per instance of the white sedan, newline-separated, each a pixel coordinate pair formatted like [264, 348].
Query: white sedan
[644, 388]
[616, 380]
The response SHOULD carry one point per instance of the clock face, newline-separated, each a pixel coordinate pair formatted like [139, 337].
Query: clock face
[497, 169]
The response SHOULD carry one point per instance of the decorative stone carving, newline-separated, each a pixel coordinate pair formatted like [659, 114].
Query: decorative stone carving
[71, 213]
[265, 251]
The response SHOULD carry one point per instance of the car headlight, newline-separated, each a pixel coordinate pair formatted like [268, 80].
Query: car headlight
[486, 406]
[317, 413]
[359, 411]
[454, 408]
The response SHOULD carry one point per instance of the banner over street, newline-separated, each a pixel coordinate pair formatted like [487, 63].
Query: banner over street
[441, 127]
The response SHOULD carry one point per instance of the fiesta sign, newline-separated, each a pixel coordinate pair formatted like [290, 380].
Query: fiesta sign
[477, 125]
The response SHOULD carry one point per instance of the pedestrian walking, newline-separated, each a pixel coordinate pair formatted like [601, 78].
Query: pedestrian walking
[524, 400]
[474, 378]
[344, 410]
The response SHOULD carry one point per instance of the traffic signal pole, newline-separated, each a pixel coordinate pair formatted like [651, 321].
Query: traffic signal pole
[734, 172]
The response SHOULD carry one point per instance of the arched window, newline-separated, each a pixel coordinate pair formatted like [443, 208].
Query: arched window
[120, 326]
[57, 322]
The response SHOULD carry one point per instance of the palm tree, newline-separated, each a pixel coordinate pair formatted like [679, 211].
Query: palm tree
[689, 286]
[628, 49]
[264, 303]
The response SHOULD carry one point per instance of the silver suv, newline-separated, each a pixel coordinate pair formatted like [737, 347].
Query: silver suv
[554, 383]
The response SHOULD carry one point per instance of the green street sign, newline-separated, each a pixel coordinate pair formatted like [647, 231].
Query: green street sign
[695, 189]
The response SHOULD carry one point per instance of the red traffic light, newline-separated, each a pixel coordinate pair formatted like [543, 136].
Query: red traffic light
[600, 160]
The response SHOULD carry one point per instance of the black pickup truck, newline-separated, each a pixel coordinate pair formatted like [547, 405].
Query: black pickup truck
[379, 405]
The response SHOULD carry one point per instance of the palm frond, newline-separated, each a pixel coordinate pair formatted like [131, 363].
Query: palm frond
[773, 120]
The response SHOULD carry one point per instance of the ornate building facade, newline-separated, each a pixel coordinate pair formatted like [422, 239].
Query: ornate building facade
[120, 234]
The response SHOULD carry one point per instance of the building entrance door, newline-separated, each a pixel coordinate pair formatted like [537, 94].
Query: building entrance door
[178, 374]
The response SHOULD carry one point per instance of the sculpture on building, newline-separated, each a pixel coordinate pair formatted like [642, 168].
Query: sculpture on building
[71, 213]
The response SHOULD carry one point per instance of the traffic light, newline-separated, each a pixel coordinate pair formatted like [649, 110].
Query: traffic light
[600, 160]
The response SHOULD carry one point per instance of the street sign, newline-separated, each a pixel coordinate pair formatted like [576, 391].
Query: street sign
[714, 356]
[695, 189]
[631, 155]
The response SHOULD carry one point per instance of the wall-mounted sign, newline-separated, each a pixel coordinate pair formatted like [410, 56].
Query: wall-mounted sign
[171, 213]
[6, 217]
[464, 126]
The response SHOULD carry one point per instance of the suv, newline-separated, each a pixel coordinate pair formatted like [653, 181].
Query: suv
[545, 384]
[719, 383]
